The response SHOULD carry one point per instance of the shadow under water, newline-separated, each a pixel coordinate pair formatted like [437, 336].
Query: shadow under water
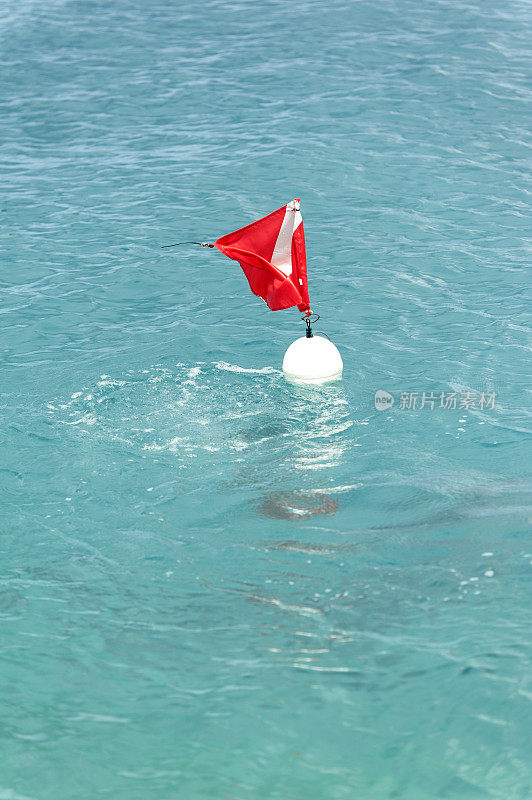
[296, 505]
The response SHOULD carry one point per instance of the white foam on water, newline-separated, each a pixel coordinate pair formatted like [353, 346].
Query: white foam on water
[223, 365]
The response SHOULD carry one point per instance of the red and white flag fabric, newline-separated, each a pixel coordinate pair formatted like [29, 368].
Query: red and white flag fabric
[271, 251]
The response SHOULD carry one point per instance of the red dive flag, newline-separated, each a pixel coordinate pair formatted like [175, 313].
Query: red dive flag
[271, 251]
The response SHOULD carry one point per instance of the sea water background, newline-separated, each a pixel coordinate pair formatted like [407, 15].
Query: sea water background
[214, 584]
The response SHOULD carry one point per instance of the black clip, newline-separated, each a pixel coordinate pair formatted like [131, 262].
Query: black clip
[309, 321]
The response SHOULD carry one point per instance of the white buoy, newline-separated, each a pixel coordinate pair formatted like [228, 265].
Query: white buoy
[312, 359]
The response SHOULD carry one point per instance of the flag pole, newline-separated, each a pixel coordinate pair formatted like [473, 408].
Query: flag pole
[201, 244]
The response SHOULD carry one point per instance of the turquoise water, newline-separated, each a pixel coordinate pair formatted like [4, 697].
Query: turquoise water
[215, 584]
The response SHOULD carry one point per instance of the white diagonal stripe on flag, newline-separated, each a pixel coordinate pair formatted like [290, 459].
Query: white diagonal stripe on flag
[282, 254]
